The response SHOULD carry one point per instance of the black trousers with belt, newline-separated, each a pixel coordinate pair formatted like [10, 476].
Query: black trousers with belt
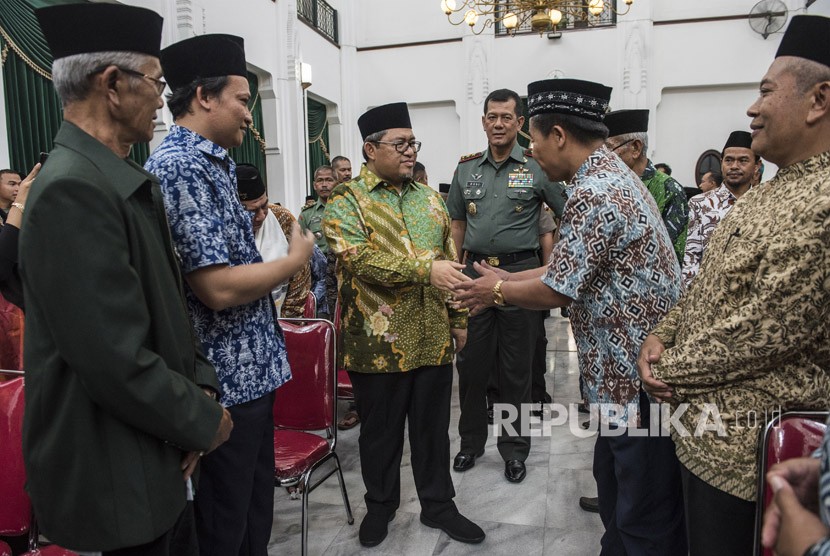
[500, 342]
[386, 402]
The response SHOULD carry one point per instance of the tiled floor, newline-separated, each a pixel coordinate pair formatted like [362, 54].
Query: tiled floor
[538, 516]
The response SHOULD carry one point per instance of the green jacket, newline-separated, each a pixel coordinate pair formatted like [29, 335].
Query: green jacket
[112, 366]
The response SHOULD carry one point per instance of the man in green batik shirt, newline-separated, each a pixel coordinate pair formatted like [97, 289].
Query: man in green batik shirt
[396, 266]
[628, 138]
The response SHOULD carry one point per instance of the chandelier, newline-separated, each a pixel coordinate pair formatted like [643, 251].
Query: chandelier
[512, 14]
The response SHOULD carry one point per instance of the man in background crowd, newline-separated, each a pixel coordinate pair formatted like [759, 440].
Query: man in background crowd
[740, 166]
[628, 138]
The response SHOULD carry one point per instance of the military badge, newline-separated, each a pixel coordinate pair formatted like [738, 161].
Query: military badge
[471, 208]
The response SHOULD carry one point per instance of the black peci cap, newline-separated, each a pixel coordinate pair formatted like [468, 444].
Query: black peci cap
[807, 36]
[739, 139]
[381, 118]
[204, 56]
[72, 29]
[585, 99]
[249, 182]
[622, 122]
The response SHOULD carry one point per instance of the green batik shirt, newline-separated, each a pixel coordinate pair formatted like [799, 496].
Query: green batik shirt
[671, 201]
[392, 319]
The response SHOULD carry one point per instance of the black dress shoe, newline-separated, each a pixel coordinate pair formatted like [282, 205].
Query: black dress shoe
[515, 471]
[373, 529]
[457, 527]
[464, 461]
[589, 504]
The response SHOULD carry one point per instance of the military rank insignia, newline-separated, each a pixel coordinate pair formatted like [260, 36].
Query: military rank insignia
[520, 177]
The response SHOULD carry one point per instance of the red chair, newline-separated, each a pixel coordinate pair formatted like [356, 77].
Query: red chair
[16, 510]
[305, 406]
[794, 434]
[310, 307]
[5, 550]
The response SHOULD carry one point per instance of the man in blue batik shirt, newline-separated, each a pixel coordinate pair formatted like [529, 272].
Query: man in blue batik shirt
[228, 285]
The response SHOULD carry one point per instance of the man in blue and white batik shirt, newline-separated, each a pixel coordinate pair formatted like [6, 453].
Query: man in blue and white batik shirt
[228, 285]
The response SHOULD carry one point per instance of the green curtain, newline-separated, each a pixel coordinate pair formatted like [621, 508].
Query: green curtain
[318, 138]
[33, 110]
[252, 149]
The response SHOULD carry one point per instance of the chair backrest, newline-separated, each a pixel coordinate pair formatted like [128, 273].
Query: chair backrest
[310, 307]
[307, 401]
[794, 434]
[15, 507]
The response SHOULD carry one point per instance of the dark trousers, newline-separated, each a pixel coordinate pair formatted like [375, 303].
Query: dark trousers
[718, 523]
[180, 540]
[385, 403]
[538, 386]
[235, 499]
[500, 342]
[640, 494]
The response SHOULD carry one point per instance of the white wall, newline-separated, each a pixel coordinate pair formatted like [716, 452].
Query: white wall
[697, 78]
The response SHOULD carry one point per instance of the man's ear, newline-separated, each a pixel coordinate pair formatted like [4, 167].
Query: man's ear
[108, 81]
[560, 136]
[820, 105]
[369, 149]
[203, 98]
[637, 147]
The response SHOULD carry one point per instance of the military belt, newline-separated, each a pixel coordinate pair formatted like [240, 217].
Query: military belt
[499, 260]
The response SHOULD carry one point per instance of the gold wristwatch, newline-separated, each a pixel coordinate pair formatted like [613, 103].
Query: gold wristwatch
[498, 297]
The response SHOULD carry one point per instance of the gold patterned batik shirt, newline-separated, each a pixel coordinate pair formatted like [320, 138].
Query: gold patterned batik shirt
[392, 319]
[751, 335]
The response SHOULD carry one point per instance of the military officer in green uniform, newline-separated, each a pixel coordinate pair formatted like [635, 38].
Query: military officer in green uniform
[311, 217]
[120, 401]
[494, 202]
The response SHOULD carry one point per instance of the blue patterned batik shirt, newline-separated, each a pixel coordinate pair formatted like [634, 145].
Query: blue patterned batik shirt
[211, 227]
[614, 258]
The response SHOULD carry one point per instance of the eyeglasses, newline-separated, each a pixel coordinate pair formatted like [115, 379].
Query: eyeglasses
[622, 145]
[401, 146]
[159, 84]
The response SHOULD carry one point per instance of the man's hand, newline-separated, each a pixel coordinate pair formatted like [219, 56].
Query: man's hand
[650, 353]
[459, 336]
[223, 432]
[801, 474]
[445, 275]
[797, 527]
[477, 295]
[500, 272]
[301, 244]
[189, 463]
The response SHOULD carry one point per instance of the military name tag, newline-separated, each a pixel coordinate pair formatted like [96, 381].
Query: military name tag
[520, 179]
[475, 184]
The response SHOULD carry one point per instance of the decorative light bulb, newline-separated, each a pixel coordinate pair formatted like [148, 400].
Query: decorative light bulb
[448, 6]
[596, 6]
[629, 2]
[511, 21]
[555, 16]
[471, 17]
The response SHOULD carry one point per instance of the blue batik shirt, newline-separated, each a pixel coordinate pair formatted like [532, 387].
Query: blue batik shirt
[210, 226]
[615, 260]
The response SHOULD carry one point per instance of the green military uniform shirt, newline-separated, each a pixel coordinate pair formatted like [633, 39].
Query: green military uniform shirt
[500, 201]
[311, 218]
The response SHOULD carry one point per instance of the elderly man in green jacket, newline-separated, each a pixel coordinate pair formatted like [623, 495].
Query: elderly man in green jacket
[120, 400]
